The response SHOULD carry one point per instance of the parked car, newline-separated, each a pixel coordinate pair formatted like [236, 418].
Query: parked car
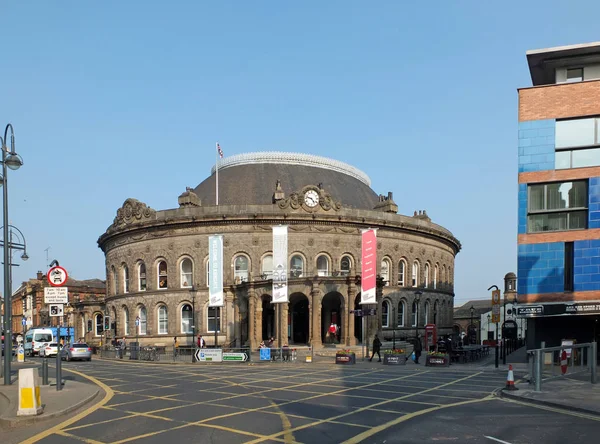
[49, 349]
[71, 352]
[35, 338]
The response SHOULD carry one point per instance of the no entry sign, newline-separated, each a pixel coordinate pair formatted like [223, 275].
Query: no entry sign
[57, 276]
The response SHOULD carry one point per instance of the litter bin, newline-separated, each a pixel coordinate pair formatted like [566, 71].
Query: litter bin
[133, 350]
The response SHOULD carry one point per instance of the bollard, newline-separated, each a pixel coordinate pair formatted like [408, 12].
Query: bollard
[30, 401]
[59, 369]
[594, 359]
[537, 367]
[45, 371]
[20, 354]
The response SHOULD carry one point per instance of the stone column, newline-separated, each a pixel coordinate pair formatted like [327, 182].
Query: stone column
[283, 323]
[315, 338]
[345, 339]
[351, 316]
[258, 321]
[251, 316]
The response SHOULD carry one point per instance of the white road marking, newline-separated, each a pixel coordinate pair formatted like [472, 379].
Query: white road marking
[496, 439]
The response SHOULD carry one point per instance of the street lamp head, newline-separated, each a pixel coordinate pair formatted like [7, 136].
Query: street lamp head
[489, 317]
[472, 310]
[24, 256]
[14, 161]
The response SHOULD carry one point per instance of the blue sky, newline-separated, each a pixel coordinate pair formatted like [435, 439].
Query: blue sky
[115, 99]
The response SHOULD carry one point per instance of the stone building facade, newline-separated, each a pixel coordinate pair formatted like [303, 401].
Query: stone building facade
[157, 261]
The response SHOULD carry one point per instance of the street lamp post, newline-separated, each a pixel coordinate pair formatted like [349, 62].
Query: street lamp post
[13, 161]
[418, 294]
[472, 309]
[193, 292]
[489, 317]
[394, 321]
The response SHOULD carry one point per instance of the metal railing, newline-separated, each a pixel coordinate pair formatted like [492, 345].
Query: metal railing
[547, 363]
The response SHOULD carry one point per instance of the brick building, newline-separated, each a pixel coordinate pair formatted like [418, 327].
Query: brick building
[85, 297]
[154, 258]
[559, 195]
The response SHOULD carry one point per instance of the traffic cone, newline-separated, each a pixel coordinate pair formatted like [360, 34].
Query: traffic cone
[510, 380]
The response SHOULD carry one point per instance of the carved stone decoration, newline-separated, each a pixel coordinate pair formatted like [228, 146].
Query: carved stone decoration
[296, 200]
[423, 252]
[255, 241]
[147, 248]
[358, 243]
[171, 246]
[197, 244]
[396, 247]
[336, 242]
[311, 241]
[379, 245]
[225, 242]
[412, 249]
[293, 202]
[133, 211]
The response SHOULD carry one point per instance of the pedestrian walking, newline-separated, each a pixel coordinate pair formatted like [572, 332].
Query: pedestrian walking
[201, 342]
[376, 349]
[418, 348]
[175, 346]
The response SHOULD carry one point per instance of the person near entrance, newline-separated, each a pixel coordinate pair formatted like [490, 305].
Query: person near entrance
[201, 342]
[332, 333]
[418, 348]
[376, 349]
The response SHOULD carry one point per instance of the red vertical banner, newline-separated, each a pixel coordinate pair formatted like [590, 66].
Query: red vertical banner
[368, 267]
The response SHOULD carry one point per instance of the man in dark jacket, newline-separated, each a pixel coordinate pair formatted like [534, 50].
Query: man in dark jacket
[376, 348]
[418, 348]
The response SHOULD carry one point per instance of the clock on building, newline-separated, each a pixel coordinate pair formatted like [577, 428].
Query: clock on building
[311, 198]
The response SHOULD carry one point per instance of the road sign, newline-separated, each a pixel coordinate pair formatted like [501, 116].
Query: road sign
[56, 310]
[239, 357]
[24, 322]
[563, 362]
[56, 295]
[496, 306]
[265, 354]
[209, 355]
[57, 276]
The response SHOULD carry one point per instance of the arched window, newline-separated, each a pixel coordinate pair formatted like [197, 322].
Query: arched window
[385, 271]
[241, 266]
[296, 266]
[414, 314]
[163, 320]
[141, 276]
[415, 274]
[450, 277]
[213, 319]
[207, 273]
[125, 321]
[427, 275]
[401, 306]
[187, 273]
[99, 324]
[402, 273]
[267, 267]
[187, 318]
[143, 314]
[323, 265]
[435, 276]
[162, 275]
[115, 280]
[385, 314]
[435, 312]
[444, 282]
[427, 308]
[345, 265]
[125, 279]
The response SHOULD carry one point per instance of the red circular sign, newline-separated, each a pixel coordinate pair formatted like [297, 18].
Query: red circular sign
[563, 362]
[57, 276]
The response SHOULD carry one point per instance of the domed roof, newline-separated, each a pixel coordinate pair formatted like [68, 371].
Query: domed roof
[249, 179]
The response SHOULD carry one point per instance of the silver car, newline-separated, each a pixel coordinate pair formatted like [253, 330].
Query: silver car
[71, 352]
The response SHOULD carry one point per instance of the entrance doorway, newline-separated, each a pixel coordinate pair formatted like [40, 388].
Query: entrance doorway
[331, 314]
[358, 321]
[268, 318]
[299, 319]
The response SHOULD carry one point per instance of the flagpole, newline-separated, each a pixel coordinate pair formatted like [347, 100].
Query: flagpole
[217, 169]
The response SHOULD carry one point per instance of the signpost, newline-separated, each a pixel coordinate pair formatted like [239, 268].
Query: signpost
[57, 277]
[265, 354]
[563, 362]
[209, 355]
[496, 315]
[235, 357]
[56, 295]
[56, 310]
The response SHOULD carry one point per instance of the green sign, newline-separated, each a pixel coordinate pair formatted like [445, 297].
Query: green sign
[240, 357]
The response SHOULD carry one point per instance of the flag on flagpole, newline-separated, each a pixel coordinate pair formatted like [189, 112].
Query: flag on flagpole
[219, 150]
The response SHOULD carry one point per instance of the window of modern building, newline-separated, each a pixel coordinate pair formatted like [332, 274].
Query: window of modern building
[323, 265]
[296, 266]
[345, 265]
[213, 319]
[163, 320]
[401, 309]
[125, 321]
[125, 279]
[402, 273]
[569, 266]
[141, 276]
[162, 275]
[579, 158]
[414, 314]
[385, 271]
[143, 314]
[267, 267]
[574, 75]
[99, 324]
[557, 206]
[576, 133]
[187, 272]
[415, 274]
[186, 319]
[385, 314]
[240, 267]
[427, 275]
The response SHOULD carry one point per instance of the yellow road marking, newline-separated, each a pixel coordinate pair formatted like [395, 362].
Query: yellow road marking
[369, 433]
[57, 428]
[78, 438]
[120, 418]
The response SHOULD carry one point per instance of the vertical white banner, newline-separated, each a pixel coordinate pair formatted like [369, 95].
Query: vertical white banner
[368, 278]
[215, 260]
[280, 284]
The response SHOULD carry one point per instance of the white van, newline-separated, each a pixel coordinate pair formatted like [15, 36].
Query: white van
[35, 338]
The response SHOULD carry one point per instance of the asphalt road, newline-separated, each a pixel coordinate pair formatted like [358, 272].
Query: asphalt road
[311, 403]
